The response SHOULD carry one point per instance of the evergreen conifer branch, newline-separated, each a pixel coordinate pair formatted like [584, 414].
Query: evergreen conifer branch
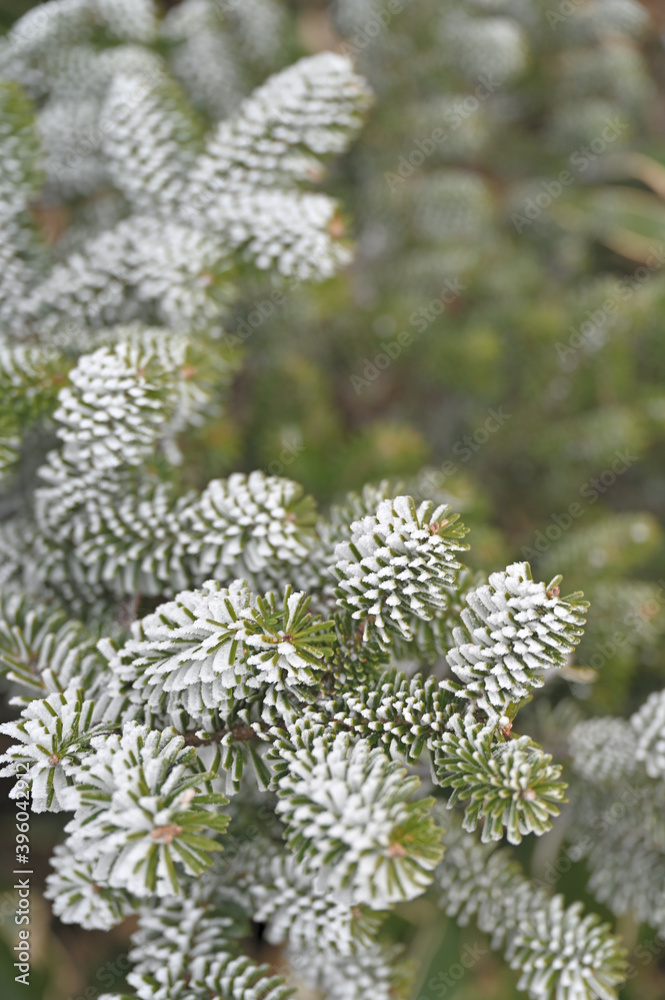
[560, 953]
[513, 631]
[254, 650]
[622, 798]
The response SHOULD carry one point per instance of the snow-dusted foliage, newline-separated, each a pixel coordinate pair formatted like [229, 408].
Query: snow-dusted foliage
[224, 687]
[395, 565]
[622, 796]
[249, 711]
[113, 121]
[513, 631]
[559, 951]
[349, 819]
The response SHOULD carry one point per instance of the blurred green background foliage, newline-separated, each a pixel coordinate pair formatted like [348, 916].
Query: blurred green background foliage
[497, 342]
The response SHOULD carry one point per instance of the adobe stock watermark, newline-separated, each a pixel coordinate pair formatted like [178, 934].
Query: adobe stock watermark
[624, 289]
[261, 310]
[639, 624]
[375, 24]
[645, 952]
[432, 480]
[290, 452]
[591, 492]
[437, 987]
[580, 160]
[420, 319]
[565, 9]
[108, 975]
[91, 139]
[452, 118]
[627, 798]
[22, 872]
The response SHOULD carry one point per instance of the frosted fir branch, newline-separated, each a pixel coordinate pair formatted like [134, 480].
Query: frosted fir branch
[42, 649]
[135, 20]
[309, 110]
[256, 26]
[373, 972]
[26, 373]
[349, 818]
[210, 648]
[192, 656]
[627, 862]
[255, 527]
[648, 727]
[130, 533]
[242, 187]
[162, 271]
[170, 261]
[64, 125]
[135, 392]
[561, 953]
[247, 526]
[188, 947]
[151, 142]
[59, 23]
[407, 714]
[74, 120]
[22, 176]
[510, 785]
[314, 576]
[605, 749]
[110, 416]
[295, 234]
[21, 250]
[54, 735]
[513, 631]
[204, 57]
[622, 794]
[563, 946]
[284, 898]
[144, 812]
[114, 404]
[396, 564]
[76, 897]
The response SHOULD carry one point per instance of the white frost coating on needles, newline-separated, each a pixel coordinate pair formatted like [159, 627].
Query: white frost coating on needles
[129, 808]
[313, 106]
[649, 731]
[283, 897]
[396, 566]
[50, 732]
[561, 953]
[142, 264]
[206, 649]
[245, 519]
[513, 632]
[122, 402]
[78, 899]
[349, 802]
[606, 748]
[146, 171]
